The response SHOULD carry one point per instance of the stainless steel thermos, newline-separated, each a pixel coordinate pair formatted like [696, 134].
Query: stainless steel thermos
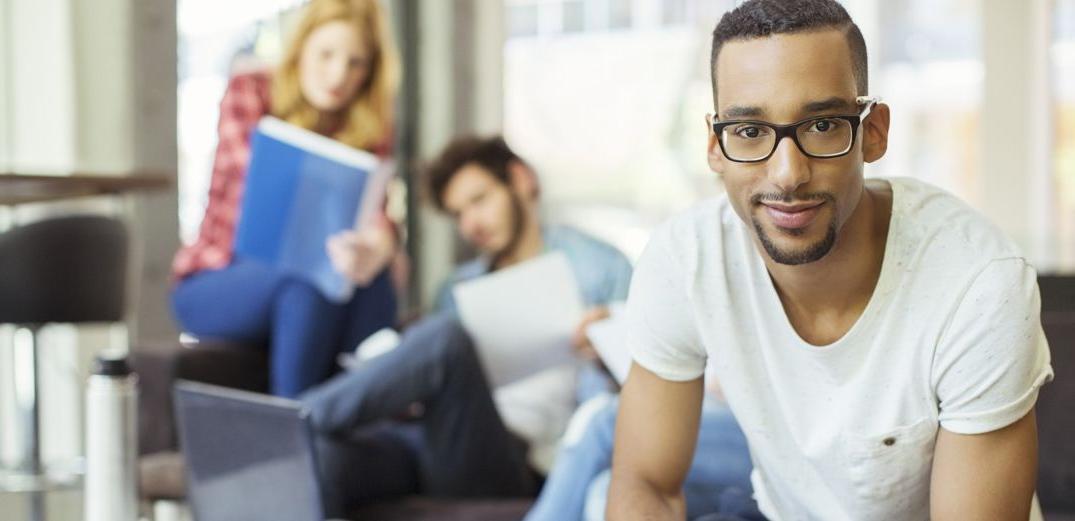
[111, 492]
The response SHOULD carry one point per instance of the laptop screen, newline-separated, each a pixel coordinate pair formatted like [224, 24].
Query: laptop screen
[249, 456]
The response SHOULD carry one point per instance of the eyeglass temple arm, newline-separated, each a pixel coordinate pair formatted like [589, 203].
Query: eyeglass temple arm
[867, 102]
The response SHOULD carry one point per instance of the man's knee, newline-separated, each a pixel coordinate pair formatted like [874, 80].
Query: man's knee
[444, 335]
[605, 420]
[594, 418]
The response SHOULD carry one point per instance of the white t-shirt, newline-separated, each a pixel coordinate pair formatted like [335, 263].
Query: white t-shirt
[951, 337]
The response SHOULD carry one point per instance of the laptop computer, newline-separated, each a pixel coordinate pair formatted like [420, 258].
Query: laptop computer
[249, 456]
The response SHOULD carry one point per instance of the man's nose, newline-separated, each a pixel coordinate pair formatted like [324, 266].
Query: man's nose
[788, 167]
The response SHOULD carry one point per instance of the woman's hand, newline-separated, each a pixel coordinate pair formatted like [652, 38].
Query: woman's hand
[583, 347]
[360, 255]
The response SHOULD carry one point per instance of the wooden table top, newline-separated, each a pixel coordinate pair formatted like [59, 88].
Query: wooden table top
[23, 188]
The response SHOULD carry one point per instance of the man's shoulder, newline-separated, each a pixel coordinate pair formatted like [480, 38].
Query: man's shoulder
[942, 226]
[703, 246]
[708, 212]
[704, 228]
[575, 241]
[942, 248]
[470, 269]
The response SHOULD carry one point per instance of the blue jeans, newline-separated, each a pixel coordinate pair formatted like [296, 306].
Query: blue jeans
[458, 448]
[251, 302]
[718, 480]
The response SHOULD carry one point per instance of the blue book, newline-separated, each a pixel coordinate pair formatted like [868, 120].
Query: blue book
[301, 188]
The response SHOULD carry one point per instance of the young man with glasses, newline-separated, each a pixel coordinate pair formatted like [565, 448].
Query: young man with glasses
[878, 340]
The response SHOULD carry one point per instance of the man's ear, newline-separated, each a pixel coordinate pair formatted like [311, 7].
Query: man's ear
[875, 133]
[523, 180]
[713, 152]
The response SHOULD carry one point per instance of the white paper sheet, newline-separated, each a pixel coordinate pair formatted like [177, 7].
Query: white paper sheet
[522, 318]
[609, 339]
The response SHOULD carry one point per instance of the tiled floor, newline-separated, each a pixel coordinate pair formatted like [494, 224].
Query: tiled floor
[59, 506]
[67, 506]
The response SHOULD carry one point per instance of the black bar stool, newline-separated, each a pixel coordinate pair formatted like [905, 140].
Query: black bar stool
[60, 270]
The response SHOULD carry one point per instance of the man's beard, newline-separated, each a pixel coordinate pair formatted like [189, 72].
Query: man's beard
[518, 223]
[812, 253]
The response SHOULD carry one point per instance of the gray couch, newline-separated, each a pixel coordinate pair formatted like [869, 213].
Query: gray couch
[246, 368]
[1056, 403]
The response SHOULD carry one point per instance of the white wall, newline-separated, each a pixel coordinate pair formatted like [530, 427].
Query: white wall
[5, 108]
[103, 60]
[42, 82]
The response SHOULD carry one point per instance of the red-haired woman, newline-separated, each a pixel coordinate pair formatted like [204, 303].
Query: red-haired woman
[339, 77]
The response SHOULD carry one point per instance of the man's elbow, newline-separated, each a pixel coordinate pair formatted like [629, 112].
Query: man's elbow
[632, 498]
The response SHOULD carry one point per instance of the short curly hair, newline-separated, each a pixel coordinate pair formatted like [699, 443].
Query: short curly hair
[491, 153]
[761, 18]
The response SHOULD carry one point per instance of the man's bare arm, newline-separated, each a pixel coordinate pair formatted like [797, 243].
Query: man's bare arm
[656, 431]
[985, 476]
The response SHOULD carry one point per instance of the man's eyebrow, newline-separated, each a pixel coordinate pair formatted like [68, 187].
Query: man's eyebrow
[833, 103]
[741, 111]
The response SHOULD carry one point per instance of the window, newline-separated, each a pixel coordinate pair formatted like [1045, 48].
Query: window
[612, 118]
[216, 40]
[523, 20]
[1063, 77]
[619, 14]
[618, 148]
[930, 72]
[674, 12]
[574, 16]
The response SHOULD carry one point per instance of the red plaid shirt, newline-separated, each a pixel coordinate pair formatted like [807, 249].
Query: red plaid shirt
[245, 101]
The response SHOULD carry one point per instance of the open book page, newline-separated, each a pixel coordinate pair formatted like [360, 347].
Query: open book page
[609, 338]
[522, 318]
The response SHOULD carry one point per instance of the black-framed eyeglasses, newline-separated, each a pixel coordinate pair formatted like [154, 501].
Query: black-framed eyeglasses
[822, 137]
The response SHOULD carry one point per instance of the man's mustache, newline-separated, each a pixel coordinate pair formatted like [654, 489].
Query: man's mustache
[791, 197]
